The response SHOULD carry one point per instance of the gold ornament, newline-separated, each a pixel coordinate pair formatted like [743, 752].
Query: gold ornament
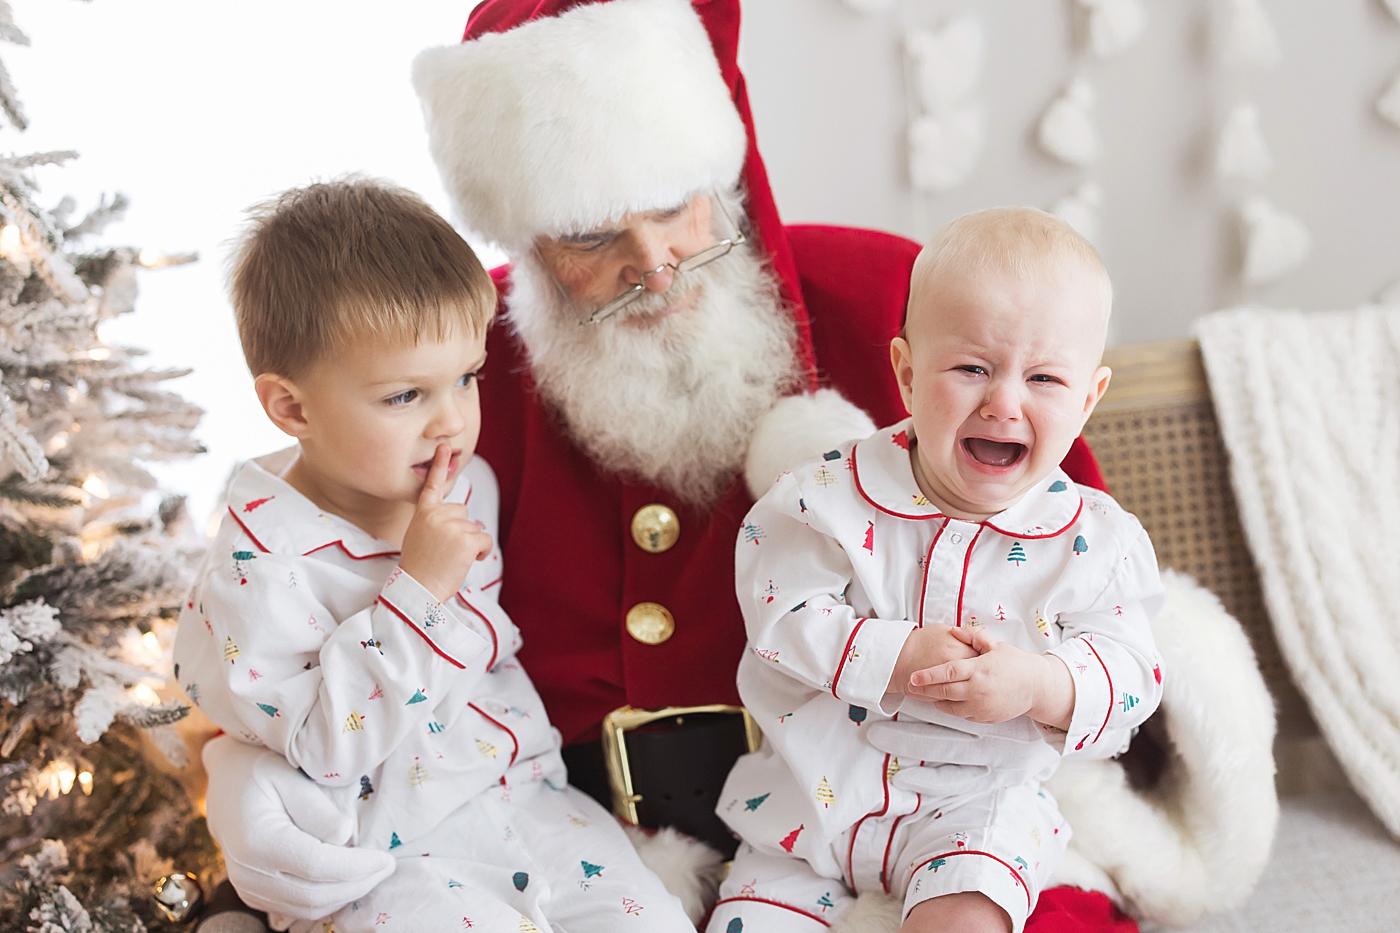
[177, 896]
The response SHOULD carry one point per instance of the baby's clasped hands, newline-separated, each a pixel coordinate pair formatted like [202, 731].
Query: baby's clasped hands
[999, 683]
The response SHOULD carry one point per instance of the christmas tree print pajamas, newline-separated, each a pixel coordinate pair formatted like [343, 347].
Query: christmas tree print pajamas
[302, 635]
[836, 565]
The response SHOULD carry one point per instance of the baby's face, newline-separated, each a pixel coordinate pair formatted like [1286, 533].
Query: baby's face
[375, 414]
[1000, 375]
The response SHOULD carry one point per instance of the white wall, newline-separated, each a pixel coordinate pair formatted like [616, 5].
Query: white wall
[196, 110]
[828, 94]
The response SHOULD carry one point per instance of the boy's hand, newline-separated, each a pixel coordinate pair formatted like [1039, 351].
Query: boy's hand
[441, 543]
[1001, 683]
[926, 647]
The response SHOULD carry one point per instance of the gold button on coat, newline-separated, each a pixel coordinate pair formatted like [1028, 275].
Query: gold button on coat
[650, 623]
[655, 528]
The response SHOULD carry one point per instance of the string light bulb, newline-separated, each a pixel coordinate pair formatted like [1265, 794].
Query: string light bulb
[9, 239]
[142, 693]
[85, 782]
[95, 485]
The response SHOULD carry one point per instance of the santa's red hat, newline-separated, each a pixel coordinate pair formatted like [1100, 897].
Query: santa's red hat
[555, 116]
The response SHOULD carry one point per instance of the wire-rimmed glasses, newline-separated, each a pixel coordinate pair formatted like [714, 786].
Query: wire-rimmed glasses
[689, 264]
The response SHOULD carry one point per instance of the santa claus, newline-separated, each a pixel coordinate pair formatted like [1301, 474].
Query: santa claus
[665, 348]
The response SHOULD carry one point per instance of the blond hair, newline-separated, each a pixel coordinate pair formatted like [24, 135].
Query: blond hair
[352, 258]
[1021, 242]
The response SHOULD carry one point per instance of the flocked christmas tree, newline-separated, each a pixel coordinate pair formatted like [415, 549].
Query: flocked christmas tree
[91, 573]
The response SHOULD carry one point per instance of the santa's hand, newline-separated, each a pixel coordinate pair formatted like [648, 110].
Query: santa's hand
[277, 865]
[1001, 683]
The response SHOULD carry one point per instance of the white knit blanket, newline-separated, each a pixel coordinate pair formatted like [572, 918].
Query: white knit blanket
[1309, 410]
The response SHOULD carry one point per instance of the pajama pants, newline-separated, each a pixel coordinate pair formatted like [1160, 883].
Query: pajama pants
[1004, 844]
[525, 859]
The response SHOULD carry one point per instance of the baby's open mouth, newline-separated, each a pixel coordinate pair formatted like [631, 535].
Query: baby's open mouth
[993, 453]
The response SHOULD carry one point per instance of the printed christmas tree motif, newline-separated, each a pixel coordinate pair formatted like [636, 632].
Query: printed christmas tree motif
[824, 901]
[418, 774]
[1128, 701]
[1041, 625]
[273, 714]
[526, 926]
[292, 581]
[311, 621]
[381, 919]
[800, 606]
[735, 926]
[802, 506]
[1080, 545]
[790, 839]
[467, 923]
[1117, 610]
[1058, 486]
[749, 889]
[590, 870]
[753, 803]
[433, 614]
[436, 727]
[256, 503]
[366, 787]
[824, 795]
[394, 842]
[578, 822]
[353, 723]
[857, 714]
[1001, 613]
[974, 622]
[253, 674]
[825, 478]
[453, 883]
[1156, 674]
[831, 455]
[1022, 863]
[784, 717]
[960, 840]
[869, 543]
[631, 907]
[377, 693]
[1017, 554]
[536, 770]
[231, 650]
[753, 534]
[371, 643]
[892, 768]
[192, 691]
[771, 592]
[487, 749]
[328, 927]
[520, 879]
[209, 627]
[921, 499]
[767, 654]
[900, 439]
[241, 559]
[418, 697]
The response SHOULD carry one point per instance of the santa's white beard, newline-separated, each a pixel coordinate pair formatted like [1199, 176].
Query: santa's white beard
[672, 404]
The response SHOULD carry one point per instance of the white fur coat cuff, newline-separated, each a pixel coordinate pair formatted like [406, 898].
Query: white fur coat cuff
[796, 429]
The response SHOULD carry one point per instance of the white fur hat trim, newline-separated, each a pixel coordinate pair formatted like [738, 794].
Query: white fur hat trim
[566, 123]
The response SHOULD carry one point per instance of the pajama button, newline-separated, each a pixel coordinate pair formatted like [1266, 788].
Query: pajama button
[655, 528]
[650, 623]
[956, 538]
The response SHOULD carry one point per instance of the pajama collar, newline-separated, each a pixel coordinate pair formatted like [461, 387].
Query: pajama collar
[884, 476]
[281, 520]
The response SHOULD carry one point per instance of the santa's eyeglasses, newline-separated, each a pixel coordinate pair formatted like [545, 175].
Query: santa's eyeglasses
[688, 264]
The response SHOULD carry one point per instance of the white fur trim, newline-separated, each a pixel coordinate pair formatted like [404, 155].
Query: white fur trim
[796, 429]
[568, 122]
[688, 868]
[1201, 841]
[873, 912]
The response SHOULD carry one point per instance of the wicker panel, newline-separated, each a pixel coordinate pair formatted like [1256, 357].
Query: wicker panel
[1164, 462]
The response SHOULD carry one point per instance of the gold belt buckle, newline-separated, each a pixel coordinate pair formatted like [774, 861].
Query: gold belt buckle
[620, 721]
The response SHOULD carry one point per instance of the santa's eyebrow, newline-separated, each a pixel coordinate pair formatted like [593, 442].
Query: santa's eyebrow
[604, 233]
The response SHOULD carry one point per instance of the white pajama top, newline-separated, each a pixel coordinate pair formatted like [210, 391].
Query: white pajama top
[838, 563]
[302, 635]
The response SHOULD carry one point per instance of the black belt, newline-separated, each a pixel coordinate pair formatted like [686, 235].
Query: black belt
[677, 763]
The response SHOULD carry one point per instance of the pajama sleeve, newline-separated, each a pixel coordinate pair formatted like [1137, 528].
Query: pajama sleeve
[791, 579]
[1110, 652]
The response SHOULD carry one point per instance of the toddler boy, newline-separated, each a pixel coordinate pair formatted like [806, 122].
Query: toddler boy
[943, 583]
[346, 615]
